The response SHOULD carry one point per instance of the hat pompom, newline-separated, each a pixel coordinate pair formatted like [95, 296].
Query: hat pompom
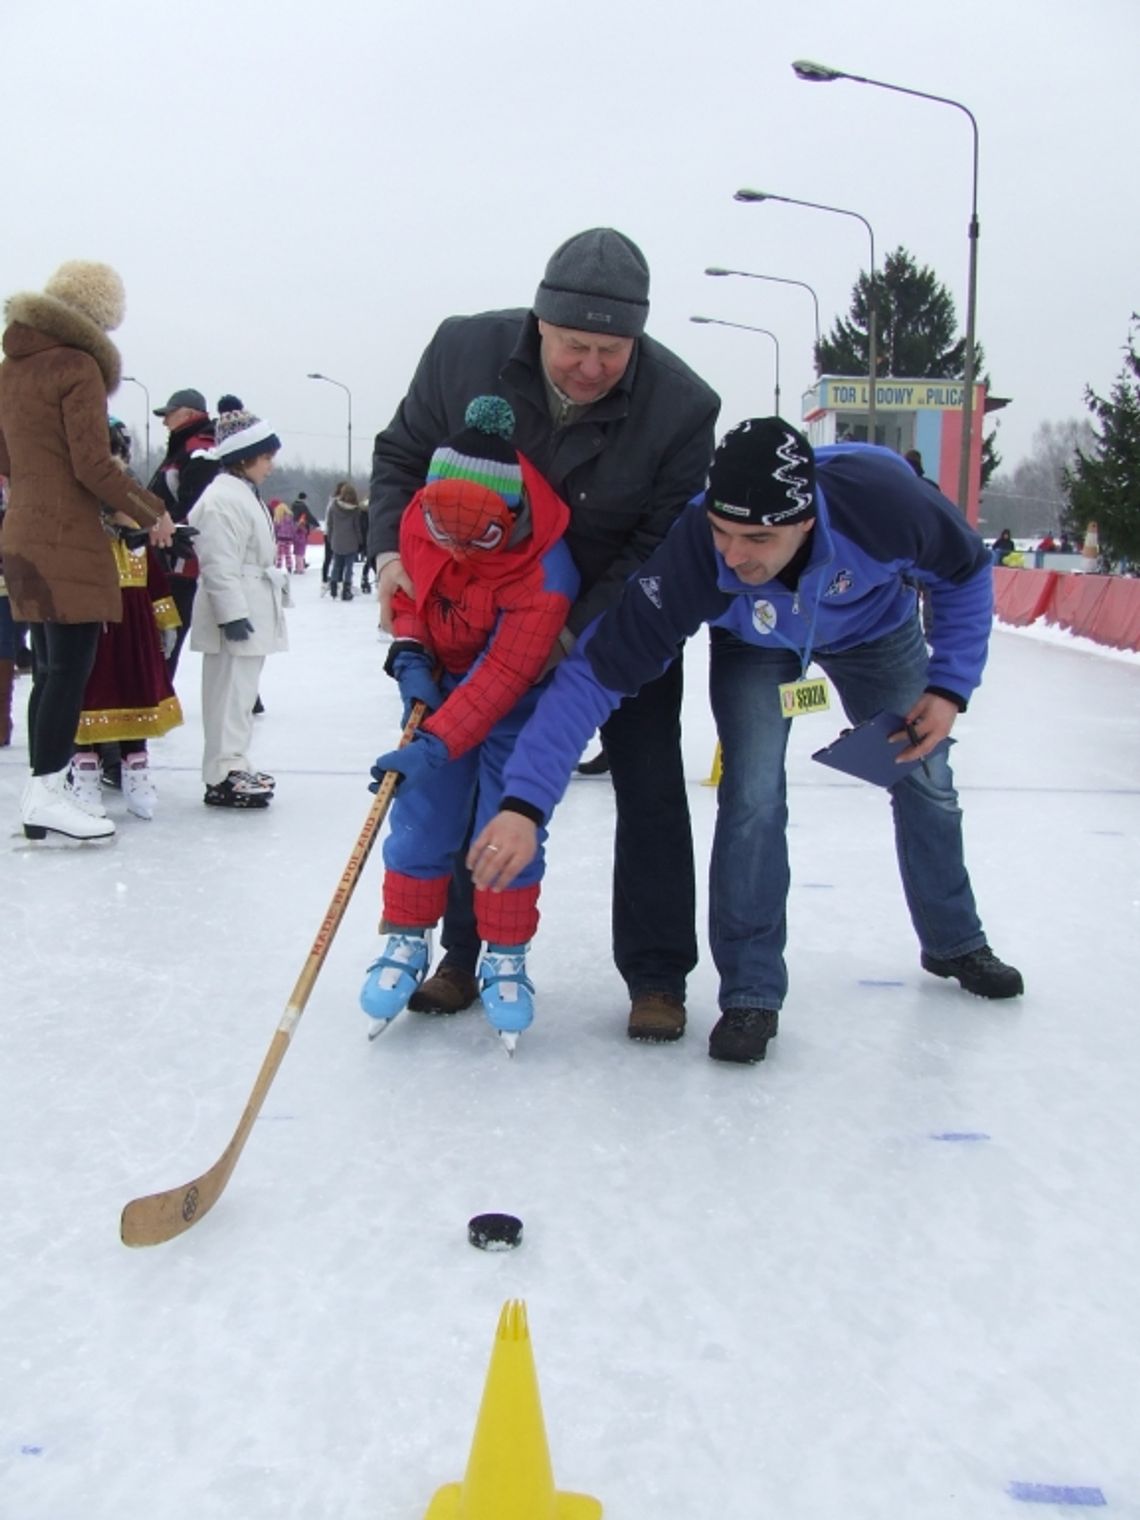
[229, 403]
[492, 415]
[93, 289]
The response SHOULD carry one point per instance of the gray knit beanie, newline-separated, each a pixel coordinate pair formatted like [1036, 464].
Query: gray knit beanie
[597, 281]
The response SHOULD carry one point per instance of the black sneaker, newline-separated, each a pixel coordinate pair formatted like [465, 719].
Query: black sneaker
[239, 790]
[742, 1034]
[258, 706]
[978, 971]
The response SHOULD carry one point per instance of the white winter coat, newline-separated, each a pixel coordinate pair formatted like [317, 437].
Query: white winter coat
[236, 549]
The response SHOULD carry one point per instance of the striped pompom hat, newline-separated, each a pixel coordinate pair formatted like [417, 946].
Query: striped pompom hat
[474, 484]
[482, 452]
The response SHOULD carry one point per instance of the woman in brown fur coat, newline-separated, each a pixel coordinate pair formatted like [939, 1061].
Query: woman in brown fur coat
[58, 370]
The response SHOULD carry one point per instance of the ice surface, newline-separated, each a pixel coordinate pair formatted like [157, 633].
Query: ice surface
[890, 1274]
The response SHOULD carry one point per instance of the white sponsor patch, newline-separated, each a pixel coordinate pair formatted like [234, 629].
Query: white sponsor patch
[651, 585]
[763, 616]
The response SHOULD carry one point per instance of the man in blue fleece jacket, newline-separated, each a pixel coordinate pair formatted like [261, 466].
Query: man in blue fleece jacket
[789, 557]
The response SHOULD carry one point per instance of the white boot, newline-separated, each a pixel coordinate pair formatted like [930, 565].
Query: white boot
[85, 783]
[49, 807]
[139, 791]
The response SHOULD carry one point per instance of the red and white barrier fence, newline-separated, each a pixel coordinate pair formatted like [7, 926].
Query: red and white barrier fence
[1105, 608]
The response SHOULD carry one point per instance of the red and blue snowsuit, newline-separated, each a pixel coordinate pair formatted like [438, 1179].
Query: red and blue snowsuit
[490, 620]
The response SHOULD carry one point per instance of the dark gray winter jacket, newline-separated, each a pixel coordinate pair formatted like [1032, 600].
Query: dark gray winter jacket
[625, 468]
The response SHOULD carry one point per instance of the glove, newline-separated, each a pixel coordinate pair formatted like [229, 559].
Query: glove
[169, 637]
[412, 670]
[415, 761]
[239, 630]
[182, 546]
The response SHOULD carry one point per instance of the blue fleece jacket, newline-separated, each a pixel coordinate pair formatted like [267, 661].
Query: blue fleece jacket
[880, 531]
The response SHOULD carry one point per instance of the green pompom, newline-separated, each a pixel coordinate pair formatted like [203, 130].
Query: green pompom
[490, 414]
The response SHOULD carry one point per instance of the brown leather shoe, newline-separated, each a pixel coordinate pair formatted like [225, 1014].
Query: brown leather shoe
[450, 989]
[656, 1016]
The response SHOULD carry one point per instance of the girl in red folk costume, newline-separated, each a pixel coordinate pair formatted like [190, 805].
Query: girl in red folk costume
[493, 585]
[128, 698]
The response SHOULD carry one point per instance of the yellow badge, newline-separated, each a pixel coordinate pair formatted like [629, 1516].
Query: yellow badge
[800, 697]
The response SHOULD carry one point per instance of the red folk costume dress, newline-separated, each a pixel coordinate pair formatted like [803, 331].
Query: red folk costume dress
[129, 695]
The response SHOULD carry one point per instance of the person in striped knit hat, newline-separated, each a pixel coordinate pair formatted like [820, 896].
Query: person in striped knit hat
[482, 544]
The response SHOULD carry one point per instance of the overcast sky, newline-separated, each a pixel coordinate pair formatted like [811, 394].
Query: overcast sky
[289, 187]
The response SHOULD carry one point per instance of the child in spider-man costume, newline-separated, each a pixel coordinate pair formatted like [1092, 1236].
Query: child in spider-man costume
[493, 584]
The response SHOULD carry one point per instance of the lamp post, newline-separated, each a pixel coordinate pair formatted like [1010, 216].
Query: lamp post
[752, 196]
[780, 280]
[747, 327]
[822, 73]
[146, 394]
[315, 375]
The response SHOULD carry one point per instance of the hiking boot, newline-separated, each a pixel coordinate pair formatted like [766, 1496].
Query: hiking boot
[978, 971]
[394, 975]
[656, 1016]
[742, 1034]
[506, 990]
[598, 766]
[450, 989]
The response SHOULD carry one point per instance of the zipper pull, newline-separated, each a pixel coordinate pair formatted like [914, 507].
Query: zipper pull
[795, 604]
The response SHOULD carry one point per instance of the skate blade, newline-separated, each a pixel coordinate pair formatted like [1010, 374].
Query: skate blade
[54, 840]
[379, 1027]
[509, 1042]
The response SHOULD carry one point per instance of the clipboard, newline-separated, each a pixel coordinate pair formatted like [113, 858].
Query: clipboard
[866, 753]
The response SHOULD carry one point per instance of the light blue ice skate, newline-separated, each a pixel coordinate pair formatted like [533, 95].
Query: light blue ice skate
[507, 991]
[393, 976]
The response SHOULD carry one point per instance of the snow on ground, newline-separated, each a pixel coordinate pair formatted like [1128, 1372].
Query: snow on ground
[782, 1290]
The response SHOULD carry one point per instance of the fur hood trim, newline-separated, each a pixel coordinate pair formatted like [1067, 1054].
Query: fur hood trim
[55, 319]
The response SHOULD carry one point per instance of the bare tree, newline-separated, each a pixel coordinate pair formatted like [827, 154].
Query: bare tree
[1032, 501]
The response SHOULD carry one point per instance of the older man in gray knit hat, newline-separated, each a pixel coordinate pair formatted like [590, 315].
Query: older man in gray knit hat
[624, 431]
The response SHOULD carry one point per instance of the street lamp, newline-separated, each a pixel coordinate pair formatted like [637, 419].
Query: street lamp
[822, 73]
[752, 196]
[780, 280]
[146, 394]
[747, 327]
[315, 375]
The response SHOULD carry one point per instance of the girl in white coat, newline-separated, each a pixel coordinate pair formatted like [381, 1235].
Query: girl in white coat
[239, 610]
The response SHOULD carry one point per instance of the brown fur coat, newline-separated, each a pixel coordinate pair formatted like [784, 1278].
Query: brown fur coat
[58, 371]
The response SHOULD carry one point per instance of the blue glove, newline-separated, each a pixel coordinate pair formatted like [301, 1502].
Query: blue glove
[412, 670]
[415, 761]
[239, 630]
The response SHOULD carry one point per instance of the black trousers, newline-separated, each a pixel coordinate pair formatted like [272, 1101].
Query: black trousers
[62, 658]
[654, 887]
[182, 591]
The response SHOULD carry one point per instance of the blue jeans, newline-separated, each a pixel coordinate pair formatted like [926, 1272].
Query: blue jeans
[654, 881]
[749, 876]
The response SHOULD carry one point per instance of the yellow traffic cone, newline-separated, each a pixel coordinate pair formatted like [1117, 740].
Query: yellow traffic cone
[509, 1476]
[717, 768]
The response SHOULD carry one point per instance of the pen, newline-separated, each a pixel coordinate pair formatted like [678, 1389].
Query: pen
[912, 735]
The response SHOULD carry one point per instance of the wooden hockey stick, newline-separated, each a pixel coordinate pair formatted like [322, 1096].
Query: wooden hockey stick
[161, 1216]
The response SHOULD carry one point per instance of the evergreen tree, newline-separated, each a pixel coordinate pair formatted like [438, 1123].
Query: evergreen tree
[1104, 482]
[915, 326]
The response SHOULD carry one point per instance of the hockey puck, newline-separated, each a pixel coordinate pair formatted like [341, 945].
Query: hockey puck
[494, 1232]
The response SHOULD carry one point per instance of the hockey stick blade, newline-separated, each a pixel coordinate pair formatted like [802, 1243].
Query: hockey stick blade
[158, 1217]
